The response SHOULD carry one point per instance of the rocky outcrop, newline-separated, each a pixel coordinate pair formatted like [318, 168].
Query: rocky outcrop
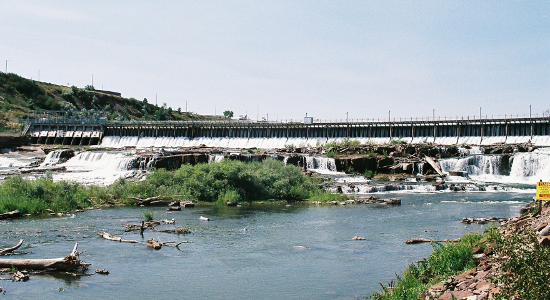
[12, 142]
[476, 284]
[172, 162]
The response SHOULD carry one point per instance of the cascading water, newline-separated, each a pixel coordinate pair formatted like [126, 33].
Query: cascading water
[522, 168]
[214, 158]
[51, 159]
[531, 166]
[475, 165]
[103, 168]
[321, 164]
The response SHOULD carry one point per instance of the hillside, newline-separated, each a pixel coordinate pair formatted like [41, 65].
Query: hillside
[19, 95]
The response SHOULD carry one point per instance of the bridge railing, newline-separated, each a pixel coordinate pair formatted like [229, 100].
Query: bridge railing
[504, 118]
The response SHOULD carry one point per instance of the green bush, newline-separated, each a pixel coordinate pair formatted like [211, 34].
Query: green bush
[524, 267]
[148, 215]
[444, 261]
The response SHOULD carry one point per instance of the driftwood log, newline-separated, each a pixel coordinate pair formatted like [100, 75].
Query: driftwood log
[154, 244]
[68, 263]
[11, 249]
[109, 237]
[151, 201]
[421, 240]
[10, 215]
[179, 230]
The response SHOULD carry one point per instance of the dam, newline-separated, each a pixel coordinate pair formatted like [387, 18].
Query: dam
[91, 128]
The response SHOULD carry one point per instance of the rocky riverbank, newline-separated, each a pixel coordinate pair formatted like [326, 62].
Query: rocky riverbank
[480, 282]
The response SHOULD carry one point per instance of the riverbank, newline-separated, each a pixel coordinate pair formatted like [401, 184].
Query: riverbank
[510, 261]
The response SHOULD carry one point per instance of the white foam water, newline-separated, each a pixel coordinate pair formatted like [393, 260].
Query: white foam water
[99, 168]
[321, 165]
[525, 168]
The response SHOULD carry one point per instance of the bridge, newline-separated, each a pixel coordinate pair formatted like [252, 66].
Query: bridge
[89, 128]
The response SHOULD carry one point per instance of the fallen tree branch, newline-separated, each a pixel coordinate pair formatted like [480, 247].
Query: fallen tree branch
[11, 249]
[175, 230]
[421, 240]
[154, 244]
[182, 242]
[152, 201]
[10, 215]
[109, 237]
[68, 263]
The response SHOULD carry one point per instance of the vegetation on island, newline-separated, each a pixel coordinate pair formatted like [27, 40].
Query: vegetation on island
[223, 182]
[19, 95]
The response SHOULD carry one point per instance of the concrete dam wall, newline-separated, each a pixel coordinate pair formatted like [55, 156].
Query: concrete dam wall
[275, 135]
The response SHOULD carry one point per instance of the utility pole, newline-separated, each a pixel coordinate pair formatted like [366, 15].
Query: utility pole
[347, 117]
[530, 121]
[7, 65]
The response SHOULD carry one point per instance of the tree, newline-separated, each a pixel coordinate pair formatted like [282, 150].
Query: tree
[228, 114]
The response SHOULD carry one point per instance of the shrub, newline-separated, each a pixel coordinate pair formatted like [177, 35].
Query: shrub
[524, 267]
[444, 261]
[148, 215]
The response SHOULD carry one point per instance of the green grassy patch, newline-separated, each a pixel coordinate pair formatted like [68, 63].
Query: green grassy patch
[444, 261]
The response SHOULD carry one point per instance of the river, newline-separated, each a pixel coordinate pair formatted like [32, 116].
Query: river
[267, 260]
[263, 251]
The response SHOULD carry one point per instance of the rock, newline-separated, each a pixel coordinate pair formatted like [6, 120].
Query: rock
[173, 208]
[358, 238]
[467, 220]
[545, 241]
[20, 276]
[393, 201]
[448, 295]
[477, 250]
[480, 257]
[204, 218]
[545, 231]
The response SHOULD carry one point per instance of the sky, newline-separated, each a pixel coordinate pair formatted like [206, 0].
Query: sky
[281, 60]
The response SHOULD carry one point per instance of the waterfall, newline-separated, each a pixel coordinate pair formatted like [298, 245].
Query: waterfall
[214, 158]
[474, 165]
[321, 164]
[531, 166]
[103, 168]
[51, 159]
[526, 167]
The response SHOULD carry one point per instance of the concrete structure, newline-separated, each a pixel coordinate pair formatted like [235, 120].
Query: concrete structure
[88, 128]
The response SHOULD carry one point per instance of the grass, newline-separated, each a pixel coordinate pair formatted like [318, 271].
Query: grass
[444, 261]
[148, 215]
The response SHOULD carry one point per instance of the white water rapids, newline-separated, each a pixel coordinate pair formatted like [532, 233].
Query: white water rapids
[496, 172]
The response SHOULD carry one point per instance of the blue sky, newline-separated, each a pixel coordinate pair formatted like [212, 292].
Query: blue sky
[283, 59]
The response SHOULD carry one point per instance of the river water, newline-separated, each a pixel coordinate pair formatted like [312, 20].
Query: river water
[263, 251]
